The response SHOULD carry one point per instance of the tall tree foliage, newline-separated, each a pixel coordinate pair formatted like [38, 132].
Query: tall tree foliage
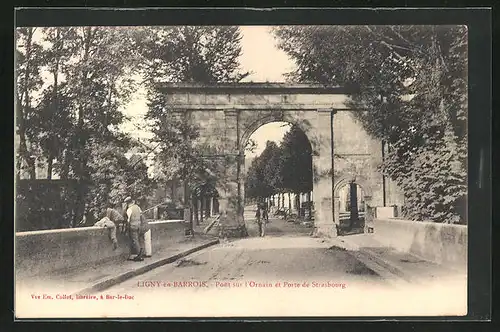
[412, 82]
[114, 177]
[29, 62]
[71, 85]
[191, 54]
[55, 114]
[297, 162]
[262, 176]
[272, 163]
[255, 181]
[281, 169]
[99, 75]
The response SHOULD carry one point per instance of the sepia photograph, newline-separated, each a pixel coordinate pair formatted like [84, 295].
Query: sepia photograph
[241, 171]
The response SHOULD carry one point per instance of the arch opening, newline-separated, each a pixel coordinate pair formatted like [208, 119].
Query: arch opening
[351, 205]
[352, 197]
[277, 175]
[267, 119]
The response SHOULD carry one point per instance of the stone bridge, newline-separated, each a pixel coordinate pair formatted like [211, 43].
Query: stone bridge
[228, 114]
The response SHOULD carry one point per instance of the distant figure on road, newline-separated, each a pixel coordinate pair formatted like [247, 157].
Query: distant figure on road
[111, 226]
[260, 222]
[134, 219]
[265, 213]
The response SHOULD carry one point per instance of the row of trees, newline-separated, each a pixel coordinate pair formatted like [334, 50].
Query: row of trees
[412, 82]
[286, 168]
[72, 84]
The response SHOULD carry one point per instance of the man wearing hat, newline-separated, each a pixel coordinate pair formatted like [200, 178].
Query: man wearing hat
[134, 215]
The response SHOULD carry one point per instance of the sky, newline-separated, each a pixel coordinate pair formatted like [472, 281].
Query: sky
[258, 48]
[273, 131]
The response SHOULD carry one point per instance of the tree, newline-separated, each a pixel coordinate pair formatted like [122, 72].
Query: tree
[202, 54]
[255, 185]
[29, 61]
[411, 80]
[82, 68]
[139, 184]
[99, 79]
[264, 175]
[114, 176]
[297, 161]
[99, 76]
[273, 162]
[54, 118]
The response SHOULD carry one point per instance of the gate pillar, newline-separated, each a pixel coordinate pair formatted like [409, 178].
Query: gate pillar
[324, 224]
[231, 204]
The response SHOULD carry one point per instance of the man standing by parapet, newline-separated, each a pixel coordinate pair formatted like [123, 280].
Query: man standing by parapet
[111, 220]
[111, 226]
[134, 213]
[116, 217]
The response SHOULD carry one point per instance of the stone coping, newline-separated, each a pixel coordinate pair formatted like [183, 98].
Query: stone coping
[425, 222]
[255, 87]
[84, 229]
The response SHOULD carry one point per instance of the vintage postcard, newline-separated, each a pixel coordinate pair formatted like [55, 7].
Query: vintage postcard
[241, 171]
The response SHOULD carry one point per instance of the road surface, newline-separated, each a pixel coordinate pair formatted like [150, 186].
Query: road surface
[286, 273]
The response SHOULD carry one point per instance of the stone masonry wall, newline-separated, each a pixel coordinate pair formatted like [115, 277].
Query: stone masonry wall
[357, 154]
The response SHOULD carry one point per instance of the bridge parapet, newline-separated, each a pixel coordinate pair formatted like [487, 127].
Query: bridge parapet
[39, 253]
[444, 244]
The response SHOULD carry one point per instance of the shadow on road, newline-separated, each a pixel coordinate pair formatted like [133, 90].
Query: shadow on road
[188, 262]
[353, 266]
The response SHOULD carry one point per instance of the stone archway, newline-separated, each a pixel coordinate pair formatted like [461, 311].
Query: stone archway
[345, 179]
[228, 114]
